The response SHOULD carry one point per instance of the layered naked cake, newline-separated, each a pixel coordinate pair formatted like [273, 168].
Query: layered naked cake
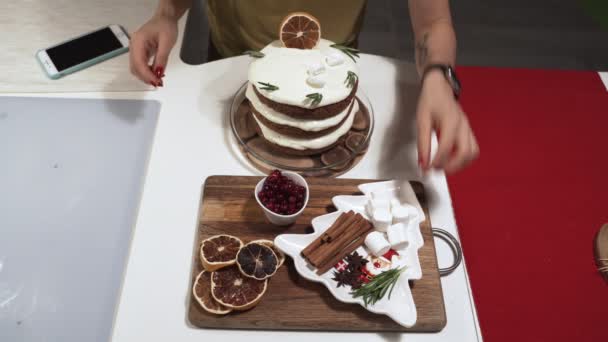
[303, 100]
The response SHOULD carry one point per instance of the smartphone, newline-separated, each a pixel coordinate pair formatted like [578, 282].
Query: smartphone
[83, 51]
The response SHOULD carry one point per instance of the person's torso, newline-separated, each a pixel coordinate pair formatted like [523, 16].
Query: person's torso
[240, 25]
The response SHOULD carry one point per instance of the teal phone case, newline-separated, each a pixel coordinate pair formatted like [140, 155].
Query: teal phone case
[86, 64]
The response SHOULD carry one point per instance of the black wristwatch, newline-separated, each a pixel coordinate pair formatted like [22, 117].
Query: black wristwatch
[450, 76]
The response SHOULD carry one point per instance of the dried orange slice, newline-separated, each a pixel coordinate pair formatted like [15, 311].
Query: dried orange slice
[219, 251]
[232, 289]
[276, 251]
[202, 292]
[300, 30]
[257, 261]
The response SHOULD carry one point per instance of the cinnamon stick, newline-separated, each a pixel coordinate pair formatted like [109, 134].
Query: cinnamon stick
[319, 241]
[333, 234]
[330, 248]
[360, 226]
[343, 250]
[354, 245]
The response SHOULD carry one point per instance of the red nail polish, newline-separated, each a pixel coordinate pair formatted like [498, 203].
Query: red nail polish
[152, 84]
[159, 71]
[160, 83]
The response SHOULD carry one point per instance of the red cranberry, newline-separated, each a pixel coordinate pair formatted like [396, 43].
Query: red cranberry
[292, 199]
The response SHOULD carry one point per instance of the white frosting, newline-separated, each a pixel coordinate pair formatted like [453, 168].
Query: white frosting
[334, 59]
[282, 119]
[288, 69]
[306, 143]
[317, 81]
[316, 68]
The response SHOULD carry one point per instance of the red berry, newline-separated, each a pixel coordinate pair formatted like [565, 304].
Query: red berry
[292, 199]
[300, 204]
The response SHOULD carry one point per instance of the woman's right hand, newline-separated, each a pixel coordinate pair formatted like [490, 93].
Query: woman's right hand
[154, 39]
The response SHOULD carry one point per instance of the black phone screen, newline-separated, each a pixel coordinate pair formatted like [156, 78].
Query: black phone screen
[83, 48]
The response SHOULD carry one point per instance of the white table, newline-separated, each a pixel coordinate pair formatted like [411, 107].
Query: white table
[193, 142]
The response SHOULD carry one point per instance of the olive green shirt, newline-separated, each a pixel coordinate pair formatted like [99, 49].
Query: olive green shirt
[240, 25]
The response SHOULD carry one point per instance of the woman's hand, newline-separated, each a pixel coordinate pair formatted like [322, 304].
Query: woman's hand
[439, 110]
[155, 38]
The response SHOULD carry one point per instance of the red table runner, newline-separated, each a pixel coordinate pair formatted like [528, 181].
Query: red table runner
[528, 209]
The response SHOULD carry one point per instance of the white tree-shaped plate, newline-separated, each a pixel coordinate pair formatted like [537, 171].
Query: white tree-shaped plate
[400, 307]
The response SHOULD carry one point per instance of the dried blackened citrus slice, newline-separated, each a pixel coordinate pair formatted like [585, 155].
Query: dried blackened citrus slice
[219, 251]
[280, 255]
[257, 261]
[232, 289]
[202, 292]
[300, 30]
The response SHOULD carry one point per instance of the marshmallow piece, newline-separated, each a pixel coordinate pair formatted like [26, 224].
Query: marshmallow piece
[377, 243]
[334, 59]
[381, 203]
[316, 81]
[384, 195]
[369, 207]
[382, 219]
[315, 69]
[397, 235]
[374, 204]
[402, 213]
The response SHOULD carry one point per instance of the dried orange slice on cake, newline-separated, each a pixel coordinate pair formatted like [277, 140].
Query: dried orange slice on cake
[219, 251]
[300, 30]
[202, 292]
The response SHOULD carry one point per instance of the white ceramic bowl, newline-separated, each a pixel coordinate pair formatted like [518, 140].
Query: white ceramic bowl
[278, 219]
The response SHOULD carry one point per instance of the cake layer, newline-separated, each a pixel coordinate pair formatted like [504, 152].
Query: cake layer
[302, 125]
[297, 132]
[303, 144]
[299, 72]
[318, 113]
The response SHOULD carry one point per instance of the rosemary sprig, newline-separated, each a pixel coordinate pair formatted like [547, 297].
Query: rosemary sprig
[315, 98]
[268, 86]
[350, 52]
[254, 54]
[351, 79]
[376, 289]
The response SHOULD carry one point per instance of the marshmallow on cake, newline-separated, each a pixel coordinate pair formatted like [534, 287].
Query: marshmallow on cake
[303, 100]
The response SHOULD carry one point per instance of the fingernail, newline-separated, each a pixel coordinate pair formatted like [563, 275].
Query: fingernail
[421, 162]
[152, 84]
[159, 71]
[160, 83]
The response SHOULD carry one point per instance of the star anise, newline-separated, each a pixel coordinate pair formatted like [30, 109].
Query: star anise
[341, 278]
[355, 261]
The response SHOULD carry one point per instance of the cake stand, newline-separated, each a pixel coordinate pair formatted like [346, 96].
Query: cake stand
[350, 149]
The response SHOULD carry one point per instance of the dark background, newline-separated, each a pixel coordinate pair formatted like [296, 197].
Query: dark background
[556, 34]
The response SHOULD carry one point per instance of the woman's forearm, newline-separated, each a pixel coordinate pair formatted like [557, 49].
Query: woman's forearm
[433, 32]
[173, 8]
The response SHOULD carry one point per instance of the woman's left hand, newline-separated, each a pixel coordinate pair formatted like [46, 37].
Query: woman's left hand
[439, 110]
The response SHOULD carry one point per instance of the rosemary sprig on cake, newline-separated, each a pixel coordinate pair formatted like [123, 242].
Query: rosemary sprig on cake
[350, 52]
[315, 98]
[254, 54]
[377, 288]
[351, 79]
[268, 86]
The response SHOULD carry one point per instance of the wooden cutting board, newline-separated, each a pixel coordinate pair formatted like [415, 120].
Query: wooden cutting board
[228, 206]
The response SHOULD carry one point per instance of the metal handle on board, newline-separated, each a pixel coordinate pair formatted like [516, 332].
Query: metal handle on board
[454, 246]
